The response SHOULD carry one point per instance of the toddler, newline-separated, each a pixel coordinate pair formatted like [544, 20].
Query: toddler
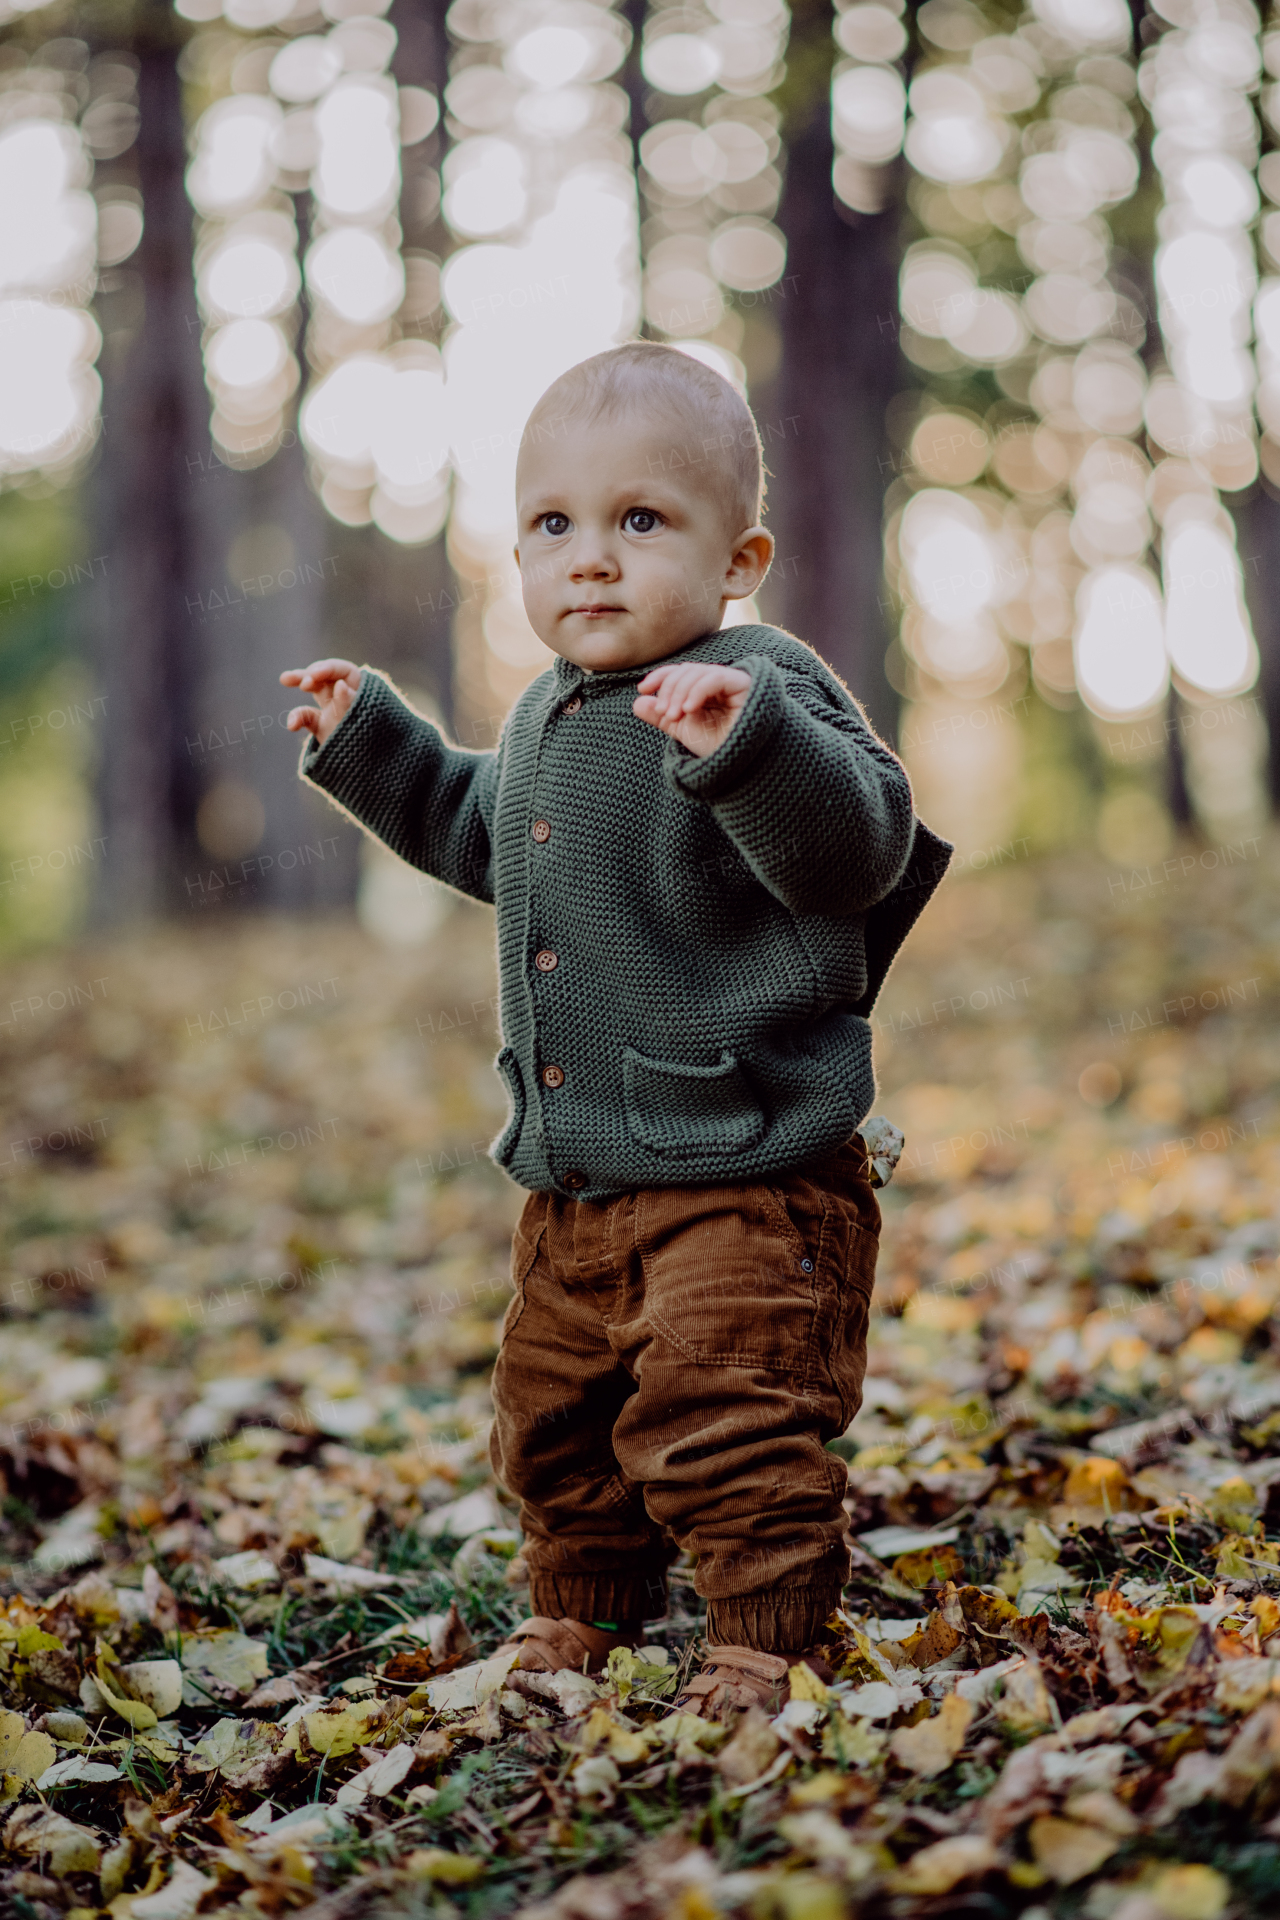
[703, 862]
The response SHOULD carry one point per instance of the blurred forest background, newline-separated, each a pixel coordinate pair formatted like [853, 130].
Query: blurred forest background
[279, 286]
[279, 283]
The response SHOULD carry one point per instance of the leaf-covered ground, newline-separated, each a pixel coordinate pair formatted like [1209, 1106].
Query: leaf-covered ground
[255, 1564]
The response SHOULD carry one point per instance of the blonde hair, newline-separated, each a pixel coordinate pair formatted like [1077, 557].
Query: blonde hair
[718, 440]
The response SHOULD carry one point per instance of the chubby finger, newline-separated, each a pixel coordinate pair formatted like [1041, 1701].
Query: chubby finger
[304, 720]
[646, 708]
[322, 673]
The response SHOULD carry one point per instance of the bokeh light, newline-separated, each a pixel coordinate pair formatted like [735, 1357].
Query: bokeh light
[50, 393]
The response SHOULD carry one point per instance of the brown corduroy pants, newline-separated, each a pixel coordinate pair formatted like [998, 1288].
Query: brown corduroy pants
[672, 1364]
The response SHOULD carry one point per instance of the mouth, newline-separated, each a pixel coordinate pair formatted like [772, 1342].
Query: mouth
[595, 612]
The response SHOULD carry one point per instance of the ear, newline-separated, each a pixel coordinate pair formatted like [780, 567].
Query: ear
[516, 554]
[752, 558]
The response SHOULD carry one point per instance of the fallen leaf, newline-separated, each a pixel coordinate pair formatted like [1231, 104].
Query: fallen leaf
[930, 1747]
[445, 1869]
[178, 1898]
[218, 1663]
[383, 1777]
[930, 1563]
[76, 1770]
[24, 1755]
[58, 1843]
[249, 1571]
[938, 1868]
[1025, 1703]
[469, 1687]
[877, 1700]
[1068, 1849]
[596, 1778]
[339, 1729]
[753, 1747]
[339, 1579]
[821, 1837]
[933, 1642]
[136, 1713]
[475, 1513]
[1191, 1892]
[158, 1683]
[216, 1748]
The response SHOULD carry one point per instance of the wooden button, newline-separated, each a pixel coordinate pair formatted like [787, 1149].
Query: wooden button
[553, 1076]
[572, 705]
[575, 1181]
[541, 831]
[546, 961]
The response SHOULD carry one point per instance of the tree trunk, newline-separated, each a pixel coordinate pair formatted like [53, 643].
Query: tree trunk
[154, 426]
[822, 415]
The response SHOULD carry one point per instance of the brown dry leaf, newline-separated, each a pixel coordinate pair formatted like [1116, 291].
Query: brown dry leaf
[930, 1747]
[933, 1642]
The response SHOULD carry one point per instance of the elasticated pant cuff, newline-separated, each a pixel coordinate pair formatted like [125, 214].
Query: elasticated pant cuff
[626, 1598]
[787, 1620]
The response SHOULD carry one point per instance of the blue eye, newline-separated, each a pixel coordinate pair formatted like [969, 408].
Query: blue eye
[641, 520]
[555, 524]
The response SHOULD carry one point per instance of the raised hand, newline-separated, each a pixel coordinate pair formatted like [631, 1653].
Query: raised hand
[335, 684]
[693, 702]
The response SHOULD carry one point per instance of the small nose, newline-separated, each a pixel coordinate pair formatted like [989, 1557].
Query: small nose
[591, 560]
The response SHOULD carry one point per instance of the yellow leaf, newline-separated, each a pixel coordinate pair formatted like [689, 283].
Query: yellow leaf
[58, 1843]
[446, 1869]
[852, 1742]
[1068, 1850]
[33, 1755]
[1234, 1504]
[805, 1685]
[157, 1683]
[12, 1728]
[136, 1713]
[341, 1731]
[32, 1639]
[929, 1747]
[1266, 1611]
[1097, 1482]
[918, 1569]
[604, 1732]
[1190, 1893]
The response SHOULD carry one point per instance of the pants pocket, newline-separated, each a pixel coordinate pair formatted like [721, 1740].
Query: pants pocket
[724, 1279]
[525, 1242]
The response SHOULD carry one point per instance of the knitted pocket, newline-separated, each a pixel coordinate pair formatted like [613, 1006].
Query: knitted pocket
[509, 1067]
[677, 1109]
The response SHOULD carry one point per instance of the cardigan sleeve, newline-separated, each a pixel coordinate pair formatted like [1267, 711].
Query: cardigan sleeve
[395, 774]
[819, 808]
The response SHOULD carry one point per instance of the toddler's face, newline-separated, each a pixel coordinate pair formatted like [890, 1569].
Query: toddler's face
[622, 560]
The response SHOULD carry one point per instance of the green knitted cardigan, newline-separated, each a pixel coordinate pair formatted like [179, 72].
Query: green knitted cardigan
[689, 949]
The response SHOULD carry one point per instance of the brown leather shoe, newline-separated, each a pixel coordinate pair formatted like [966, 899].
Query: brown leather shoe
[563, 1646]
[733, 1679]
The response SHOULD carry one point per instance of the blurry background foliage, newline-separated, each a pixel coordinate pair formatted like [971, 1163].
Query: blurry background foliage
[280, 280]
